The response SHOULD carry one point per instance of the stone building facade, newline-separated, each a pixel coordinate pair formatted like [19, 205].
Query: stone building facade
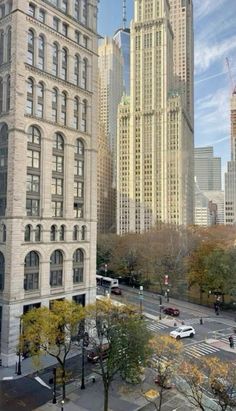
[48, 122]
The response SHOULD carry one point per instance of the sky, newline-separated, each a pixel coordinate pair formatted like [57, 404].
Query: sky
[215, 39]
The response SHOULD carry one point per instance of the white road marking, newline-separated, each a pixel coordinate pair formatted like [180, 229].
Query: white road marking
[40, 381]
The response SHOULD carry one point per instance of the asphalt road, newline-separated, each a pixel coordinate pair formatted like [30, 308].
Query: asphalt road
[26, 394]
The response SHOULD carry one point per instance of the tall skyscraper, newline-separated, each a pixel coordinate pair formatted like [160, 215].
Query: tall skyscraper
[110, 63]
[230, 175]
[181, 17]
[48, 137]
[122, 38]
[155, 135]
[207, 169]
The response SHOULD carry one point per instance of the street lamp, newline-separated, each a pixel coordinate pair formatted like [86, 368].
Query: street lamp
[19, 352]
[141, 300]
[62, 405]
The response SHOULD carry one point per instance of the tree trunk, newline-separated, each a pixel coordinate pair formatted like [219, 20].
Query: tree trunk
[160, 400]
[106, 395]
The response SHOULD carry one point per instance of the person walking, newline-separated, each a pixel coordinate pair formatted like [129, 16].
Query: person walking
[231, 341]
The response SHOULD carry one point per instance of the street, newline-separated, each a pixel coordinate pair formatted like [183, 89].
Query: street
[211, 339]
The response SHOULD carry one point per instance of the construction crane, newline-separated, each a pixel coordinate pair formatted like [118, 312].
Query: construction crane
[232, 82]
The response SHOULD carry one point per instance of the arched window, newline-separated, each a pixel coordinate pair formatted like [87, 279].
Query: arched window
[30, 54]
[1, 95]
[3, 166]
[84, 115]
[55, 59]
[76, 113]
[75, 233]
[83, 233]
[58, 142]
[63, 107]
[55, 104]
[4, 233]
[1, 46]
[76, 70]
[9, 45]
[30, 97]
[31, 278]
[85, 74]
[64, 58]
[53, 233]
[2, 271]
[80, 148]
[38, 233]
[28, 233]
[34, 136]
[41, 52]
[8, 94]
[56, 269]
[78, 266]
[9, 6]
[40, 100]
[62, 233]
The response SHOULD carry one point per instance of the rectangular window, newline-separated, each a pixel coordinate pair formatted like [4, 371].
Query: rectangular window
[57, 208]
[78, 189]
[65, 29]
[56, 278]
[33, 158]
[78, 275]
[56, 23]
[57, 186]
[33, 183]
[79, 168]
[31, 281]
[57, 164]
[78, 210]
[32, 207]
[41, 16]
[31, 10]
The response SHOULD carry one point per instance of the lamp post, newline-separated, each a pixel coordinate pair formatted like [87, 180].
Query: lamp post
[82, 387]
[54, 398]
[62, 405]
[141, 300]
[160, 306]
[19, 352]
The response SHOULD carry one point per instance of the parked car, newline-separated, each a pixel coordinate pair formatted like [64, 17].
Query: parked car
[116, 291]
[171, 311]
[94, 355]
[182, 332]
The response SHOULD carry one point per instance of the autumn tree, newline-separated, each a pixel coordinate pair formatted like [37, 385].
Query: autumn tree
[51, 331]
[126, 338]
[165, 362]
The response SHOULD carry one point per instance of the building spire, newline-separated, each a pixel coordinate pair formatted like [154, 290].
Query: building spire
[124, 15]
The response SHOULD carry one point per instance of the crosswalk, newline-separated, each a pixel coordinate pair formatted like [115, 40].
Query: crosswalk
[155, 326]
[198, 350]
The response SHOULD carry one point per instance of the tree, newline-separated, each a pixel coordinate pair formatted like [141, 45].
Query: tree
[166, 355]
[222, 382]
[126, 338]
[51, 331]
[190, 383]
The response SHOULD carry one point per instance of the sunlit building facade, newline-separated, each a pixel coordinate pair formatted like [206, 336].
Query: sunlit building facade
[48, 130]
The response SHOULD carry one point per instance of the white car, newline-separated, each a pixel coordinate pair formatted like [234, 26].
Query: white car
[182, 332]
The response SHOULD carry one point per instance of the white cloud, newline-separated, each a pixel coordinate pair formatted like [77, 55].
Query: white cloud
[203, 8]
[207, 54]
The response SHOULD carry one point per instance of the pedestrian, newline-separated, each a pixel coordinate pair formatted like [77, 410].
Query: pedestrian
[231, 341]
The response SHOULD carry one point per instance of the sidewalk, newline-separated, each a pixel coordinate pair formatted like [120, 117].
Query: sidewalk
[27, 366]
[122, 397]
